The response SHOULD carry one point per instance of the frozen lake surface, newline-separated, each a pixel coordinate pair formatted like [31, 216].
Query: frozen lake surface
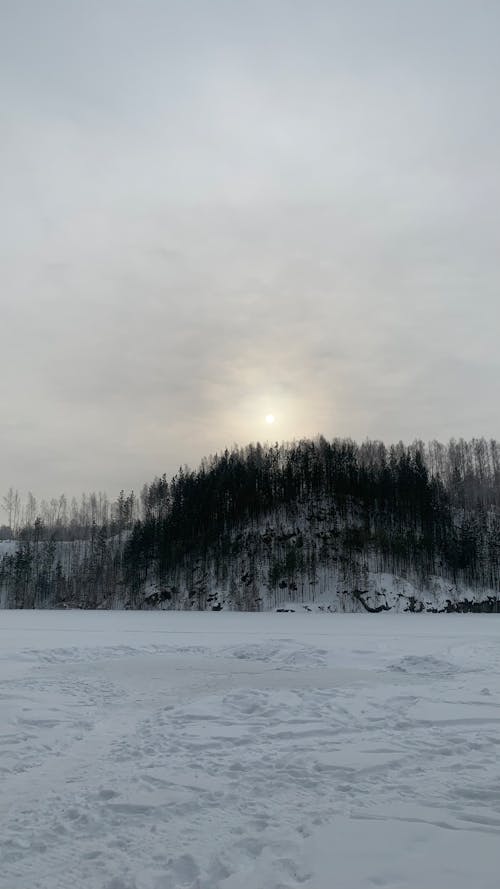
[238, 751]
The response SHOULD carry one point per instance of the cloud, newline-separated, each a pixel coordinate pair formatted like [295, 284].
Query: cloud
[211, 216]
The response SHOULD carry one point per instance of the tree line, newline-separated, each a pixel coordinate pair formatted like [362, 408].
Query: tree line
[254, 520]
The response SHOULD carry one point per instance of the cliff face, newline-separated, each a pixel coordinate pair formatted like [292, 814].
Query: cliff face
[302, 563]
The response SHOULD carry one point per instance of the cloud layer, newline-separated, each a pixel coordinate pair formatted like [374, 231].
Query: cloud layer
[213, 211]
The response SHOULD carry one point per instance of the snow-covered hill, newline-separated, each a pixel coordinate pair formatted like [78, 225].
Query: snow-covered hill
[309, 525]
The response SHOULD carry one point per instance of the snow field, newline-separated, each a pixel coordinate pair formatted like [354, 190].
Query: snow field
[165, 750]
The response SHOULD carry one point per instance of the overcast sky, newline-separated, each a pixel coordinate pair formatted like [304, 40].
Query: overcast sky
[211, 211]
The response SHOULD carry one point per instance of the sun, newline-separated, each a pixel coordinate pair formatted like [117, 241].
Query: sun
[270, 418]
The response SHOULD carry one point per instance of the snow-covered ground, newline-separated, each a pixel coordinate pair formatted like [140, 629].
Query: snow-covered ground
[249, 751]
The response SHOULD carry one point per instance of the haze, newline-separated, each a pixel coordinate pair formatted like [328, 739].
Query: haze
[213, 212]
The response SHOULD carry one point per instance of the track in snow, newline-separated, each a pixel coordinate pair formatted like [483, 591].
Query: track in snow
[224, 751]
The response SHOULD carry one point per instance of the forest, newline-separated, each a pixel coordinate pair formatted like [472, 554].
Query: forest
[308, 522]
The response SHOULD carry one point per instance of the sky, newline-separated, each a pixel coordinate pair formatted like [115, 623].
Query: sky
[214, 211]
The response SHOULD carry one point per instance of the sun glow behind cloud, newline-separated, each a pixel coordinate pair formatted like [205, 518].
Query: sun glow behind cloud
[203, 241]
[274, 415]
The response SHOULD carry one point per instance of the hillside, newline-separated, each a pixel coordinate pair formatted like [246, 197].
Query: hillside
[309, 525]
